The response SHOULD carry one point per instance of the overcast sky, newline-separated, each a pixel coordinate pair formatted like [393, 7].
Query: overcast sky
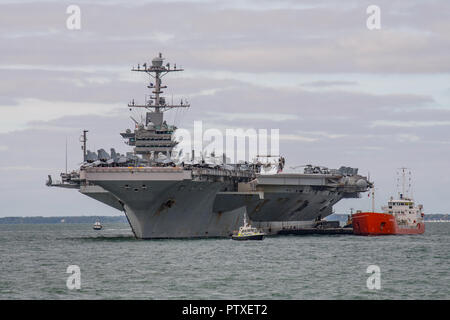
[340, 94]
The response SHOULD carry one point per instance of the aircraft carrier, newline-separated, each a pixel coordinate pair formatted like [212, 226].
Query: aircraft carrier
[166, 196]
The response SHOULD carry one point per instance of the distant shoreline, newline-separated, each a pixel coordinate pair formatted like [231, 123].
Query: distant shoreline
[123, 219]
[63, 219]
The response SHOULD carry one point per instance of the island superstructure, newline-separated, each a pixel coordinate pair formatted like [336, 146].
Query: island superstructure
[165, 196]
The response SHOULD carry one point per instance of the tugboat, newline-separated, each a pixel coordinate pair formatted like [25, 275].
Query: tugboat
[247, 232]
[400, 216]
[97, 225]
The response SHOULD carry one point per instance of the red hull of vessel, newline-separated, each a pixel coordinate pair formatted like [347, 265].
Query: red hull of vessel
[375, 223]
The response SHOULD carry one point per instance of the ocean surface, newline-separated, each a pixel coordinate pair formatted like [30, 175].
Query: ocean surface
[114, 265]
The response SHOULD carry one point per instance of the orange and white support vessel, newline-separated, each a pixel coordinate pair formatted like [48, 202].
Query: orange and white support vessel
[400, 216]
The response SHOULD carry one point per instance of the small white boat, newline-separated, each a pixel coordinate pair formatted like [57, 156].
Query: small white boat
[97, 226]
[247, 232]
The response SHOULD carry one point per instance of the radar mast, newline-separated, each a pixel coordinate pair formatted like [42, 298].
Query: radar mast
[156, 103]
[155, 136]
[405, 190]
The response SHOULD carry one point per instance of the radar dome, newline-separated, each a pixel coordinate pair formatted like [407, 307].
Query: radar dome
[361, 183]
[158, 61]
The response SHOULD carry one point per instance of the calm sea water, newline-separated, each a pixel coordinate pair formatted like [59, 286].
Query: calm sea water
[114, 265]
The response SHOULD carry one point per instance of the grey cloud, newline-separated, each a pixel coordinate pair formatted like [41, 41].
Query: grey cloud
[96, 87]
[312, 103]
[324, 83]
[326, 38]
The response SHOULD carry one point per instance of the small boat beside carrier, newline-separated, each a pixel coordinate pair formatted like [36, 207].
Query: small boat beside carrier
[97, 226]
[247, 232]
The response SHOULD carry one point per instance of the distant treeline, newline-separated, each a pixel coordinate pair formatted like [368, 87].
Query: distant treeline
[436, 216]
[343, 217]
[80, 219]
